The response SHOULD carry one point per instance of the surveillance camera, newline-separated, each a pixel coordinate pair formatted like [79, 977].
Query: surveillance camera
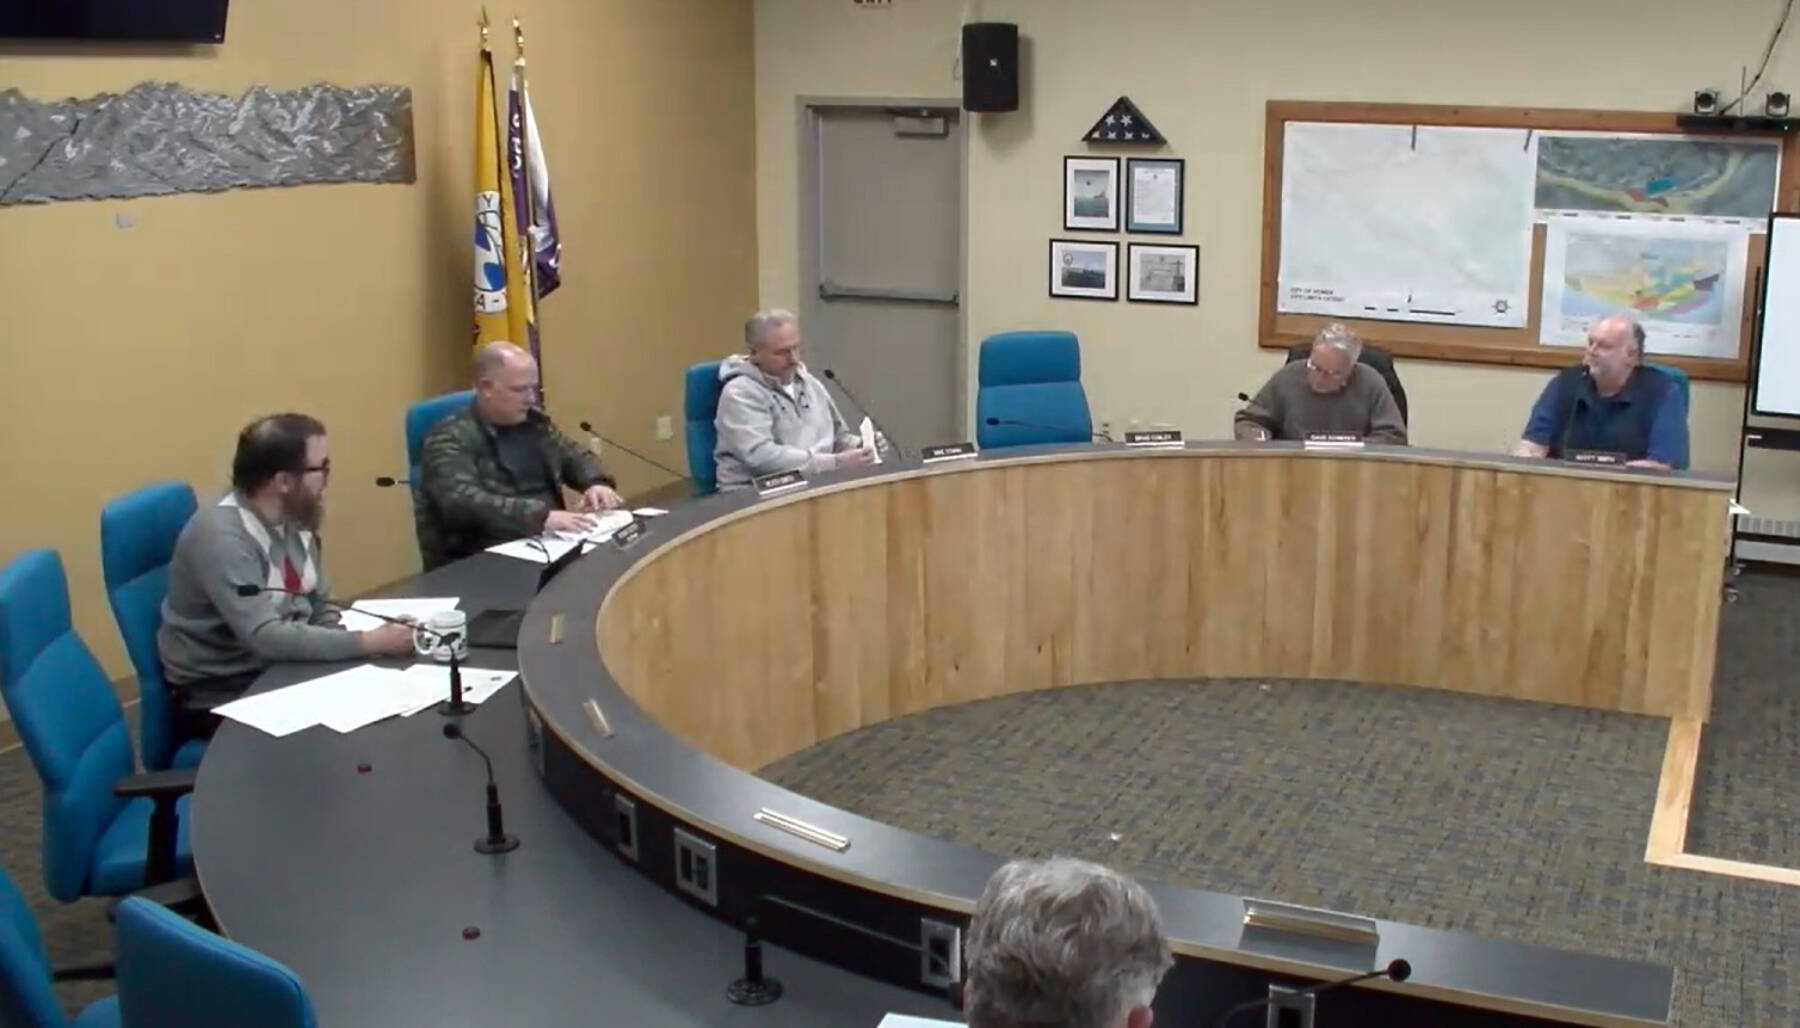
[1706, 101]
[1775, 105]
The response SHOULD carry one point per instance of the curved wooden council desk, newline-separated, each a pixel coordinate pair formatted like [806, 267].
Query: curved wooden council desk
[738, 632]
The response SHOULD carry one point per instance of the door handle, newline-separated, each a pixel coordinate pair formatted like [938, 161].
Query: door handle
[829, 290]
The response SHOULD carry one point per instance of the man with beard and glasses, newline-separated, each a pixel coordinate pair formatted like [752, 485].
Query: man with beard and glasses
[214, 642]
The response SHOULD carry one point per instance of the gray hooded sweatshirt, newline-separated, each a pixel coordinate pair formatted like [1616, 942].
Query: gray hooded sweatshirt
[762, 429]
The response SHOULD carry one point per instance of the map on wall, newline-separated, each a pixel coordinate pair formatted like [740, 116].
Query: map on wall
[1684, 282]
[1406, 223]
[1726, 181]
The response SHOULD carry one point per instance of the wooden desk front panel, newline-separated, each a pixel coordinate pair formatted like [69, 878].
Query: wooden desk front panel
[788, 624]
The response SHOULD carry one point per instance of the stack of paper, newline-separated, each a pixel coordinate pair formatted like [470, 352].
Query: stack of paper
[416, 607]
[540, 549]
[543, 549]
[350, 699]
[432, 684]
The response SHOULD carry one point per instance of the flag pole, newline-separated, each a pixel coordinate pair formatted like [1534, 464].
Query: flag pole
[524, 201]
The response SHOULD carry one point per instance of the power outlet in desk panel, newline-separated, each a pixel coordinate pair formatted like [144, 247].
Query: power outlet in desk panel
[940, 953]
[625, 826]
[696, 867]
[1288, 1008]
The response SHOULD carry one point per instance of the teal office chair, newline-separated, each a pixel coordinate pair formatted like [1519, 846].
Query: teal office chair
[701, 409]
[175, 974]
[1686, 389]
[422, 417]
[1030, 391]
[106, 831]
[137, 540]
[26, 998]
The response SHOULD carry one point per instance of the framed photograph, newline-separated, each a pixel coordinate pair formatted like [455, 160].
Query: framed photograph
[1084, 271]
[1090, 194]
[1163, 274]
[1153, 195]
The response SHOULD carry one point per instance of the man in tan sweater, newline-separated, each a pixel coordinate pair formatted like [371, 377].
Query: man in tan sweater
[1329, 392]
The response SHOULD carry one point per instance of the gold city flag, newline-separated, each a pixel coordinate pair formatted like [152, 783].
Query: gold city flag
[502, 297]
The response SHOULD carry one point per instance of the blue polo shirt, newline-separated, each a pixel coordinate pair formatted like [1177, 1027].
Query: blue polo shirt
[1645, 420]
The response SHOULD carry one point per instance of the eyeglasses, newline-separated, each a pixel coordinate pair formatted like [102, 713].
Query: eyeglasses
[323, 469]
[1310, 366]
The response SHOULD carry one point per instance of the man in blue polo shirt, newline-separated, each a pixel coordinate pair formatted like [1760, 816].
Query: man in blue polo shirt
[1611, 403]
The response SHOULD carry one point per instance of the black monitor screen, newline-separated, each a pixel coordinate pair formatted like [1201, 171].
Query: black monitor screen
[194, 21]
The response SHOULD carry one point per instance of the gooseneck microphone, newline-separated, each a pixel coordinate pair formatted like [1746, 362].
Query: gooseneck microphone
[496, 840]
[588, 427]
[1049, 428]
[1397, 970]
[389, 481]
[899, 451]
[454, 706]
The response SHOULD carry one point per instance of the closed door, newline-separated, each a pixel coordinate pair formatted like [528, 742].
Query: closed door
[882, 249]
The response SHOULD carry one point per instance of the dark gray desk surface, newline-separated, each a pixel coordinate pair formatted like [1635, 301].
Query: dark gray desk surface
[363, 883]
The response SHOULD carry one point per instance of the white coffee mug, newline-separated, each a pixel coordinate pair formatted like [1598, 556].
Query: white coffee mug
[429, 637]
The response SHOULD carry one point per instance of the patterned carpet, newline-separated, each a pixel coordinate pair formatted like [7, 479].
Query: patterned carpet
[1507, 819]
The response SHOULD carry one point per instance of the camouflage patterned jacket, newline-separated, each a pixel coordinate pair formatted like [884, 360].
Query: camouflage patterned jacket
[466, 500]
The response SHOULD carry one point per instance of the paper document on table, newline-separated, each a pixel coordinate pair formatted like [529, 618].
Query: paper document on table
[539, 549]
[432, 684]
[606, 524]
[416, 607]
[345, 700]
[909, 1021]
[867, 430]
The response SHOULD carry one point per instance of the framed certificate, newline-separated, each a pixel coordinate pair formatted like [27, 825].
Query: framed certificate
[1154, 195]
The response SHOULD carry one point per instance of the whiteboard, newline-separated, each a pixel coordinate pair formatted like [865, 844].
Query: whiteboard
[1777, 390]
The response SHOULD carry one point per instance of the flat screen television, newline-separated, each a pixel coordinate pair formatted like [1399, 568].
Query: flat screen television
[184, 21]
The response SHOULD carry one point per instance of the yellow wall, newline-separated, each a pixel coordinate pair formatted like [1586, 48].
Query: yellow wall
[135, 353]
[1202, 70]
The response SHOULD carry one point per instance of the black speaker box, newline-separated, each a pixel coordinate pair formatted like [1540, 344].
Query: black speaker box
[990, 66]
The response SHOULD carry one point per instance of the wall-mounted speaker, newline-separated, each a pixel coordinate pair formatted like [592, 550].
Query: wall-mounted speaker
[990, 66]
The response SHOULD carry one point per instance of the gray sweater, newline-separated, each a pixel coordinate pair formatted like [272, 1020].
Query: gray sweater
[763, 430]
[209, 631]
[1288, 408]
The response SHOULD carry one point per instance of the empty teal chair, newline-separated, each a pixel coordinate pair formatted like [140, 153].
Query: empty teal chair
[1030, 391]
[137, 541]
[106, 832]
[26, 998]
[175, 974]
[701, 409]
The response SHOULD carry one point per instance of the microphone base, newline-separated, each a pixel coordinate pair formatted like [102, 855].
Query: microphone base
[747, 993]
[504, 844]
[457, 708]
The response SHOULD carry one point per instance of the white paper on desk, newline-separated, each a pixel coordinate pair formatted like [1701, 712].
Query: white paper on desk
[416, 607]
[909, 1021]
[529, 549]
[649, 512]
[867, 431]
[344, 700]
[1737, 508]
[432, 682]
[606, 524]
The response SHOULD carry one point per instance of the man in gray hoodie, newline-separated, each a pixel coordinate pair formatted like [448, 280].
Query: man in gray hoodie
[214, 641]
[774, 415]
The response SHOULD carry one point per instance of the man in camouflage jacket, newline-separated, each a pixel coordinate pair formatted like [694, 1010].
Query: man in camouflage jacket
[494, 471]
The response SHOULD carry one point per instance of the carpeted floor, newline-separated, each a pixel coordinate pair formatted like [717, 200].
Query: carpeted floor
[1507, 819]
[1510, 820]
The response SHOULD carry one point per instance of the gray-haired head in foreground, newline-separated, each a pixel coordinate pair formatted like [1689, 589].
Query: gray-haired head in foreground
[491, 357]
[1339, 337]
[1062, 943]
[760, 324]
